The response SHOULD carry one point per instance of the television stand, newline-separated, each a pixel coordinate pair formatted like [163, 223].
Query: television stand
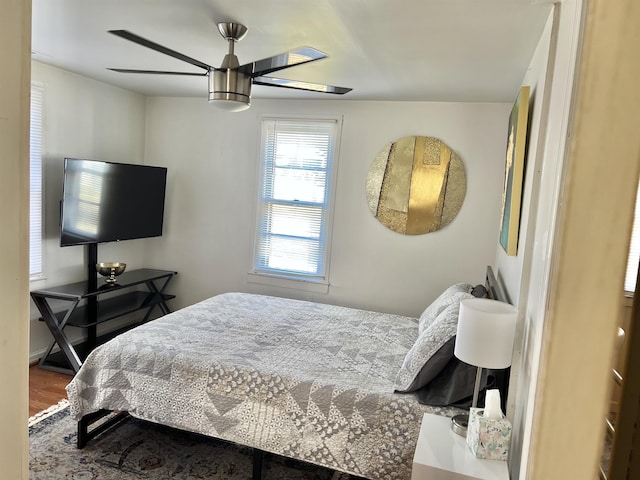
[89, 304]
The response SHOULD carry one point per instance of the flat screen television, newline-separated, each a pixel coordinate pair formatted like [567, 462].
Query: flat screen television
[109, 202]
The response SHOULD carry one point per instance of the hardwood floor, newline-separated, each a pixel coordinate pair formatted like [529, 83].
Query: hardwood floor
[46, 388]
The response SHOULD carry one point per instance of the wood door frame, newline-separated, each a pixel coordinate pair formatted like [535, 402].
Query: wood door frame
[15, 78]
[600, 179]
[629, 406]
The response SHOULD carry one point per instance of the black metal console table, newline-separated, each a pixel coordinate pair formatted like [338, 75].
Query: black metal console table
[87, 307]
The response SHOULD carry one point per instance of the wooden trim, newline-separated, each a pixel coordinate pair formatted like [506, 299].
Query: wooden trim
[15, 74]
[590, 249]
[629, 410]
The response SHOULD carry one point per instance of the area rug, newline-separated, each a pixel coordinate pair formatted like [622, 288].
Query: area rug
[137, 450]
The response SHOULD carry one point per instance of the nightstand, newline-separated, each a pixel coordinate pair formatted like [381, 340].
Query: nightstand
[442, 454]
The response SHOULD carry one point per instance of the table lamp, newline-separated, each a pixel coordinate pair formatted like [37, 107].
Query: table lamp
[484, 339]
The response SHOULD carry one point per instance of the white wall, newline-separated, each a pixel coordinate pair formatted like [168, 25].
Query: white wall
[526, 276]
[510, 269]
[82, 118]
[212, 157]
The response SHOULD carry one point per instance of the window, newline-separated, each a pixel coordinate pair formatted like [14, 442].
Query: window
[35, 183]
[634, 252]
[298, 158]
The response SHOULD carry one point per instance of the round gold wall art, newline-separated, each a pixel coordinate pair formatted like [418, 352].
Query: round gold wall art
[416, 185]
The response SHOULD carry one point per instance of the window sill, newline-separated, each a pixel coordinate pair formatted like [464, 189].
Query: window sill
[37, 278]
[308, 285]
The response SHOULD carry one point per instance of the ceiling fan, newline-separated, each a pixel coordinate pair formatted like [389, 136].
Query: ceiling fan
[230, 84]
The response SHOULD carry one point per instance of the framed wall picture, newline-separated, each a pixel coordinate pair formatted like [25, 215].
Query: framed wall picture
[514, 173]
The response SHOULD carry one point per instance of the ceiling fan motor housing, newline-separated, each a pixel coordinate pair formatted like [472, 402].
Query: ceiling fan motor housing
[230, 85]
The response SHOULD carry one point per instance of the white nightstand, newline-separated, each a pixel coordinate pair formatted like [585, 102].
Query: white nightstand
[442, 454]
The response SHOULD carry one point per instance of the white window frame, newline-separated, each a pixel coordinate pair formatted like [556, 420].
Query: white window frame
[281, 278]
[36, 190]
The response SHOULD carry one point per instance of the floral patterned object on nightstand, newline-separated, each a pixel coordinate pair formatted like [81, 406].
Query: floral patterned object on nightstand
[488, 438]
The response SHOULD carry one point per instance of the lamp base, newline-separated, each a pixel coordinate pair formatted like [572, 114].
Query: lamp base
[459, 424]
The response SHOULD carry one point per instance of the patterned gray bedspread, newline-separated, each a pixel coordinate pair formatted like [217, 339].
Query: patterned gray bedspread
[300, 379]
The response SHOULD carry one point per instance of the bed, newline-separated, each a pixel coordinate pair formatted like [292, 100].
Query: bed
[329, 385]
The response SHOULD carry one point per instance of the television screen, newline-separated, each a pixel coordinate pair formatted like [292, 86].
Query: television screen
[108, 202]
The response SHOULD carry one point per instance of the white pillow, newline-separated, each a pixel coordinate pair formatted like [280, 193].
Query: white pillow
[432, 350]
[453, 294]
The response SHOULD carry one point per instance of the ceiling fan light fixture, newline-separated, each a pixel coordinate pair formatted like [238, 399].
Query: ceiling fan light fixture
[231, 105]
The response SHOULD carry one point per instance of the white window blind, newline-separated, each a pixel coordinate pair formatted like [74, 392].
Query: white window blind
[634, 251]
[35, 182]
[297, 158]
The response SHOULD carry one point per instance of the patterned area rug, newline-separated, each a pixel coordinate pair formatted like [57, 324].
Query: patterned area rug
[137, 450]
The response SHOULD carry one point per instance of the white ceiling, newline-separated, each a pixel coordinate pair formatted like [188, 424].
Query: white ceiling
[415, 50]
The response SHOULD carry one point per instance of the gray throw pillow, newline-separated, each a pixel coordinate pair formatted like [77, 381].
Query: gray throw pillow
[431, 352]
[480, 291]
[450, 295]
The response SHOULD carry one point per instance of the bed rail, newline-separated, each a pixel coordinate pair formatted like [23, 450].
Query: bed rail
[85, 435]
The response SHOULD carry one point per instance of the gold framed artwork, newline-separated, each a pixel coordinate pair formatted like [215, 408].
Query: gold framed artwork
[416, 185]
[514, 173]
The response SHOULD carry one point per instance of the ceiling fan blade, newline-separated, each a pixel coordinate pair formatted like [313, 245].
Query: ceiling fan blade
[158, 48]
[284, 60]
[298, 85]
[158, 72]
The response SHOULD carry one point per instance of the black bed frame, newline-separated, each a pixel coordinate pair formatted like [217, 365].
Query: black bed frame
[496, 292]
[84, 435]
[494, 289]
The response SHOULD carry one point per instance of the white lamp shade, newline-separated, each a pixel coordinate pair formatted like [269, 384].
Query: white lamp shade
[486, 329]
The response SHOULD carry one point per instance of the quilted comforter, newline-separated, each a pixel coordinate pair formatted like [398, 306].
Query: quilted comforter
[300, 379]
